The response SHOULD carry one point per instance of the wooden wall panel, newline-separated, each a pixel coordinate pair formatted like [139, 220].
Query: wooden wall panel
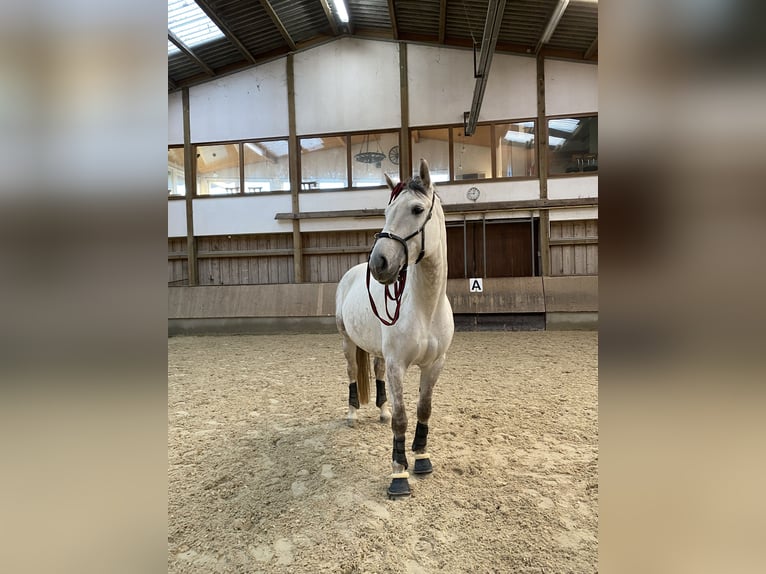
[178, 266]
[351, 248]
[580, 255]
[230, 269]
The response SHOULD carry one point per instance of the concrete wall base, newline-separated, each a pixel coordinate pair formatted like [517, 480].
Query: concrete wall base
[251, 325]
[575, 321]
[500, 322]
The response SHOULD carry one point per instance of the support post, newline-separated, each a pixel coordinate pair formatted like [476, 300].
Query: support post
[542, 167]
[189, 182]
[295, 176]
[405, 161]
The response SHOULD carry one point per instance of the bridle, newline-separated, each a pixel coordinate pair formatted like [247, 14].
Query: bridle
[401, 279]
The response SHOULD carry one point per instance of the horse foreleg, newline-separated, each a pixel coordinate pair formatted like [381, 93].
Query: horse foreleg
[428, 377]
[381, 400]
[400, 485]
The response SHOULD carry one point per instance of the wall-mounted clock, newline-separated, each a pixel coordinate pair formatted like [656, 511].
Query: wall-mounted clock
[473, 193]
[393, 155]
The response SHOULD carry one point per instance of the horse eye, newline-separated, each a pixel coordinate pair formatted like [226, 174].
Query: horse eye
[417, 210]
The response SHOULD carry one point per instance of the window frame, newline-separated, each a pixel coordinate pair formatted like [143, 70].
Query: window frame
[550, 175]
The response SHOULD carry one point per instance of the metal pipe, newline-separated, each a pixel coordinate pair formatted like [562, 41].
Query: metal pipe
[495, 11]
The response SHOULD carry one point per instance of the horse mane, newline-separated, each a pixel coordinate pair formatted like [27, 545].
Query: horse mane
[413, 184]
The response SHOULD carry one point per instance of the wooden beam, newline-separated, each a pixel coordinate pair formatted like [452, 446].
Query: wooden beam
[553, 22]
[330, 17]
[295, 176]
[262, 151]
[203, 4]
[340, 250]
[591, 49]
[278, 23]
[574, 241]
[189, 183]
[172, 84]
[542, 167]
[442, 21]
[392, 16]
[405, 163]
[189, 54]
[455, 208]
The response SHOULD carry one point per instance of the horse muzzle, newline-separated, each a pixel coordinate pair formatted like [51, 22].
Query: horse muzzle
[382, 270]
[386, 261]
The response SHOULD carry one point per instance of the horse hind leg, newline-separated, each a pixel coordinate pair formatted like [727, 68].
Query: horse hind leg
[381, 400]
[357, 369]
[349, 351]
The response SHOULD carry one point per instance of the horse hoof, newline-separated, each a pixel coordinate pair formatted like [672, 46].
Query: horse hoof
[385, 417]
[399, 488]
[423, 466]
[351, 422]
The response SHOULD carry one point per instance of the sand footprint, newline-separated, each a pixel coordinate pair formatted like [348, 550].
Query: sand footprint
[284, 551]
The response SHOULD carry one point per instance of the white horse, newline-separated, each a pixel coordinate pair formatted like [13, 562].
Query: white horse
[402, 318]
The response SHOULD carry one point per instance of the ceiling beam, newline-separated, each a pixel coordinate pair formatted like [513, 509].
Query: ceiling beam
[278, 23]
[558, 12]
[392, 16]
[330, 17]
[189, 54]
[262, 151]
[442, 21]
[171, 84]
[592, 49]
[210, 13]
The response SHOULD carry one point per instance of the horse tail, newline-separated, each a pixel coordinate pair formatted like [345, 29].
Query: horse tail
[363, 375]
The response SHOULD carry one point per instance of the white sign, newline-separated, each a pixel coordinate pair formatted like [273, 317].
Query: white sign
[475, 285]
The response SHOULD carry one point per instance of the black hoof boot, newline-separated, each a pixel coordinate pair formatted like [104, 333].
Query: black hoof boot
[399, 488]
[422, 466]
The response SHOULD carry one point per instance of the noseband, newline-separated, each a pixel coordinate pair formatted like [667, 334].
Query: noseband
[401, 280]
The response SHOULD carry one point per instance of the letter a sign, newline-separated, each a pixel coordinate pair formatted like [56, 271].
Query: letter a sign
[475, 285]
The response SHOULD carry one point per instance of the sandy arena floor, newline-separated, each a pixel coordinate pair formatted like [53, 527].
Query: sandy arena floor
[265, 476]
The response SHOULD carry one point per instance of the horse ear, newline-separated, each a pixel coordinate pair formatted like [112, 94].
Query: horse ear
[390, 183]
[425, 175]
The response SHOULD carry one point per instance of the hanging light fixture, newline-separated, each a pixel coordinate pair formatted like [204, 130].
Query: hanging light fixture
[367, 156]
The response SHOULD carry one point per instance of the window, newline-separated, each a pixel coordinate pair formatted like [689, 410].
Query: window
[433, 145]
[472, 155]
[572, 145]
[515, 149]
[176, 178]
[267, 166]
[372, 155]
[218, 169]
[323, 163]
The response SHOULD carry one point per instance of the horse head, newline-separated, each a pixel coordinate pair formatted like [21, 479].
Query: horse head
[402, 241]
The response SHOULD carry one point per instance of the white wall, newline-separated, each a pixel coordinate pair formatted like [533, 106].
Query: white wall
[249, 104]
[235, 215]
[574, 214]
[347, 85]
[570, 87]
[175, 119]
[177, 218]
[573, 187]
[441, 85]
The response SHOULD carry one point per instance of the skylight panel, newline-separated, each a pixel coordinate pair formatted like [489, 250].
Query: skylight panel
[518, 137]
[190, 24]
[568, 125]
[312, 144]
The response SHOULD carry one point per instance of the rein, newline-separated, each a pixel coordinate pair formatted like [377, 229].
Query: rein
[401, 280]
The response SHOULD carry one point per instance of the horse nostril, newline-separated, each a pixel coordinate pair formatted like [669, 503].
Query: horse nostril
[382, 262]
